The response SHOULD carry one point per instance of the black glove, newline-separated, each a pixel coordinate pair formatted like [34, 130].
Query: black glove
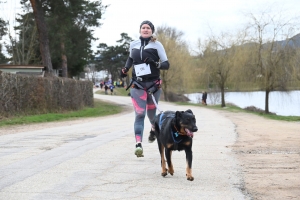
[150, 61]
[124, 71]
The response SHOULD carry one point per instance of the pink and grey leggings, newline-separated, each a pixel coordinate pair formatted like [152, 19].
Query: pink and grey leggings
[142, 103]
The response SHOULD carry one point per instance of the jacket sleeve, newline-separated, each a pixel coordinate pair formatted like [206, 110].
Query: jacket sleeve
[129, 62]
[164, 65]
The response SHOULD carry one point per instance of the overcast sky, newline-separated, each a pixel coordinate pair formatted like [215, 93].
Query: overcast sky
[196, 18]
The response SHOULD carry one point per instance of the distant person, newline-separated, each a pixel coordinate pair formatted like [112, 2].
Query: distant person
[101, 85]
[204, 97]
[148, 57]
[105, 88]
[111, 87]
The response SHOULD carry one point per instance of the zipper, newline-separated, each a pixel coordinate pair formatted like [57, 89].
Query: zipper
[141, 49]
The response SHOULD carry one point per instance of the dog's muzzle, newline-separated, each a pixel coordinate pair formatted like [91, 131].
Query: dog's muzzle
[191, 133]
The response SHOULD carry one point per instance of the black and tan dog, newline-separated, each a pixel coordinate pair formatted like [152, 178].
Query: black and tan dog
[174, 131]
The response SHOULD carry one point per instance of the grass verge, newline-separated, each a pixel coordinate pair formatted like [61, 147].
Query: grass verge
[100, 108]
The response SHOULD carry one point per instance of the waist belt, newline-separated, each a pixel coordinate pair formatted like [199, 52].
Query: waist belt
[145, 79]
[135, 83]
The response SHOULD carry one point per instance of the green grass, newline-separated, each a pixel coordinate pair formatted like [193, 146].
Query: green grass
[232, 108]
[100, 109]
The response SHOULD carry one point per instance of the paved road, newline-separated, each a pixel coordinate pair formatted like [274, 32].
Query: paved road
[95, 160]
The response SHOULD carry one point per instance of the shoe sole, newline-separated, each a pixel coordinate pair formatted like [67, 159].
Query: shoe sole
[139, 152]
[150, 141]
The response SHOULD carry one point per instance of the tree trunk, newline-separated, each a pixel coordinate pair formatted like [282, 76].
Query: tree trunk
[64, 62]
[165, 91]
[43, 34]
[268, 87]
[223, 97]
[267, 101]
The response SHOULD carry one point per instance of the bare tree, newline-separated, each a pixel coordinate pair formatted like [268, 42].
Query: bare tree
[178, 56]
[218, 57]
[24, 49]
[295, 62]
[269, 69]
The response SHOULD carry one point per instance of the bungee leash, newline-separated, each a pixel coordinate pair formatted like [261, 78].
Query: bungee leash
[156, 105]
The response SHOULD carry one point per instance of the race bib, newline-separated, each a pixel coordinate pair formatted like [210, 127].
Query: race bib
[142, 69]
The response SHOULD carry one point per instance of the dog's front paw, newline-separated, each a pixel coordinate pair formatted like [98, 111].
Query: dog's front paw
[171, 171]
[164, 173]
[189, 178]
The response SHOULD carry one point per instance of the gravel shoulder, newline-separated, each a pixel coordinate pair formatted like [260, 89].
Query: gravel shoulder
[269, 154]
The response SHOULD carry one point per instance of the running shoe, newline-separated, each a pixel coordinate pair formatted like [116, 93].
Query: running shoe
[151, 137]
[138, 150]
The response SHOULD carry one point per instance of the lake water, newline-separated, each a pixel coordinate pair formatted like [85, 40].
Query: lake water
[281, 103]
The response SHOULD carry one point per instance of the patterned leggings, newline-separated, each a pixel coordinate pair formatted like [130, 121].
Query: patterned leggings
[142, 102]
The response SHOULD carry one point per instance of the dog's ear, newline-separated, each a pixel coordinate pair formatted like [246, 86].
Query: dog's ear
[177, 114]
[189, 111]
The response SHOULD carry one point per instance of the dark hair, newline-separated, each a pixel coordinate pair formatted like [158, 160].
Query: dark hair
[149, 23]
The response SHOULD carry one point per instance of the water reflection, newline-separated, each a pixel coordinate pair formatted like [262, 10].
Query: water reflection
[281, 103]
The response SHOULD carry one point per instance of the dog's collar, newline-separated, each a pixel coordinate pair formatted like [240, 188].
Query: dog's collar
[176, 128]
[178, 132]
[175, 136]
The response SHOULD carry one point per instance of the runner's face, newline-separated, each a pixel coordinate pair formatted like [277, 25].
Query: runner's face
[146, 31]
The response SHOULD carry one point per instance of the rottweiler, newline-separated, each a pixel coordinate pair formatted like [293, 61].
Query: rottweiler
[175, 131]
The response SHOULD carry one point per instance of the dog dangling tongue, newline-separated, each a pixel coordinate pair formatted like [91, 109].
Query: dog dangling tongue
[189, 133]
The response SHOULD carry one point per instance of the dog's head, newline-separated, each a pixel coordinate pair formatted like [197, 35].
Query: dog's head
[187, 122]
